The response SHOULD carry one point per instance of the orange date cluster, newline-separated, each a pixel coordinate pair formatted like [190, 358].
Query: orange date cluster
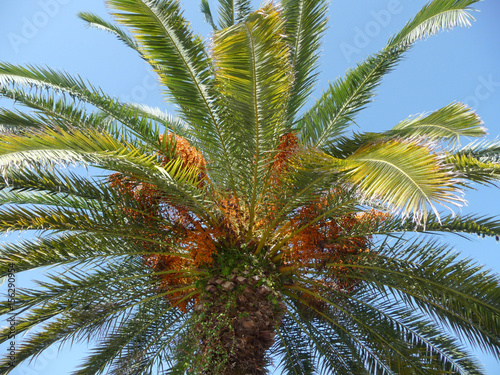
[177, 242]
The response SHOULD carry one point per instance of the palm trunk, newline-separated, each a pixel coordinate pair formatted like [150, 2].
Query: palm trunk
[237, 317]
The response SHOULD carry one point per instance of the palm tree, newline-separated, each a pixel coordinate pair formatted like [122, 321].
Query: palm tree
[246, 228]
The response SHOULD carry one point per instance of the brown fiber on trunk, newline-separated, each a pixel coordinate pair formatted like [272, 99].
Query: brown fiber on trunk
[237, 316]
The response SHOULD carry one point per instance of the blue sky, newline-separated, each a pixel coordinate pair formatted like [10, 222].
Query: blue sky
[460, 65]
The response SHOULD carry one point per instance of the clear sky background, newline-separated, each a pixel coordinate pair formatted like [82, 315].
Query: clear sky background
[461, 65]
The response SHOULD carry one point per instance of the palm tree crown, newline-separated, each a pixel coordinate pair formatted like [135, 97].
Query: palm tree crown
[247, 227]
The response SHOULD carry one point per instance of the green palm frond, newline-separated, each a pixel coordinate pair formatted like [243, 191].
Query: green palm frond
[461, 225]
[166, 40]
[99, 306]
[294, 350]
[472, 224]
[449, 123]
[45, 78]
[86, 145]
[98, 207]
[232, 12]
[54, 181]
[405, 176]
[335, 110]
[95, 21]
[452, 292]
[305, 25]
[338, 105]
[92, 216]
[436, 16]
[162, 344]
[474, 170]
[63, 289]
[345, 325]
[74, 145]
[36, 198]
[207, 13]
[51, 111]
[14, 121]
[149, 330]
[253, 74]
[173, 123]
[78, 249]
[433, 351]
[64, 112]
[335, 352]
[21, 218]
[98, 149]
[477, 162]
[412, 343]
[484, 151]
